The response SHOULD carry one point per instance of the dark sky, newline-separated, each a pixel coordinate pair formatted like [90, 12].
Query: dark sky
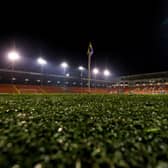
[128, 37]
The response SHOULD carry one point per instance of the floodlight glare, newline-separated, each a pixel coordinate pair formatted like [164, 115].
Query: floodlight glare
[67, 75]
[81, 68]
[106, 72]
[13, 79]
[41, 61]
[13, 56]
[95, 71]
[64, 65]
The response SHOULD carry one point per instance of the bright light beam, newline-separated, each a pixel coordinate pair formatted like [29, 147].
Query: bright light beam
[106, 72]
[64, 65]
[81, 68]
[13, 56]
[95, 71]
[41, 61]
[67, 75]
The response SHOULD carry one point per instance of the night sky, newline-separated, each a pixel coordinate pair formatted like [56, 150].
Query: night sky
[128, 37]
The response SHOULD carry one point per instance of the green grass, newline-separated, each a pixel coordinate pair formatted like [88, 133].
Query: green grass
[83, 131]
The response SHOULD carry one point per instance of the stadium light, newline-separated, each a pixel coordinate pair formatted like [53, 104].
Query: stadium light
[64, 65]
[26, 80]
[95, 71]
[13, 56]
[67, 75]
[106, 72]
[81, 69]
[41, 61]
[74, 83]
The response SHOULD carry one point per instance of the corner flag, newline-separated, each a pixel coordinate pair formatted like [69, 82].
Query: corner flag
[90, 50]
[89, 53]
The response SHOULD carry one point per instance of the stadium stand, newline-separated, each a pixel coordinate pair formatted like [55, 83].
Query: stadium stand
[7, 88]
[29, 82]
[25, 89]
[29, 89]
[53, 89]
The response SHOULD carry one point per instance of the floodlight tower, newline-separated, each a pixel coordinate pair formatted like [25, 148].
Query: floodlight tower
[13, 56]
[81, 69]
[95, 73]
[42, 62]
[64, 65]
[67, 75]
[106, 73]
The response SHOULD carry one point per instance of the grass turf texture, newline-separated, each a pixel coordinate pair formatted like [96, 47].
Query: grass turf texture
[83, 131]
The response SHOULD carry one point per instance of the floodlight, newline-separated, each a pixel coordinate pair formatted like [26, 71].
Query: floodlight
[64, 65]
[13, 78]
[106, 72]
[13, 56]
[41, 61]
[95, 71]
[81, 68]
[67, 75]
[74, 83]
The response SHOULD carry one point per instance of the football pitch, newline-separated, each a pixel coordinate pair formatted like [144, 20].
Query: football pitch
[106, 131]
